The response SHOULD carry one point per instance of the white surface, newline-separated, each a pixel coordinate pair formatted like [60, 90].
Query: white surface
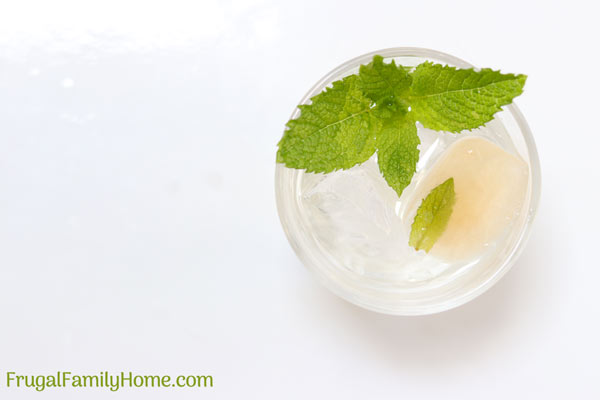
[138, 228]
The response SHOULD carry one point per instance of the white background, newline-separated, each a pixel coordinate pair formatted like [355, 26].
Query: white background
[138, 228]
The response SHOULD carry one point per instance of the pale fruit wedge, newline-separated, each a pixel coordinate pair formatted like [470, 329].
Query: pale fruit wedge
[490, 185]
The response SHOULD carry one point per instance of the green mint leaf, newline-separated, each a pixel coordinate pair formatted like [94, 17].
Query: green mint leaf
[336, 131]
[448, 99]
[397, 152]
[432, 216]
[379, 80]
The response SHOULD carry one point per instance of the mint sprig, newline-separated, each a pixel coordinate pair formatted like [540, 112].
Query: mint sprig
[377, 110]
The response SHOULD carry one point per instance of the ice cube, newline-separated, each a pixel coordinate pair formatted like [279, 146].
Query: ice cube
[490, 186]
[352, 209]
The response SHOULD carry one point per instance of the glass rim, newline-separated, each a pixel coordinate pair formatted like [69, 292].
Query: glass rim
[533, 203]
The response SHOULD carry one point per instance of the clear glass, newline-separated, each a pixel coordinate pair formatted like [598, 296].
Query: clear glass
[381, 290]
